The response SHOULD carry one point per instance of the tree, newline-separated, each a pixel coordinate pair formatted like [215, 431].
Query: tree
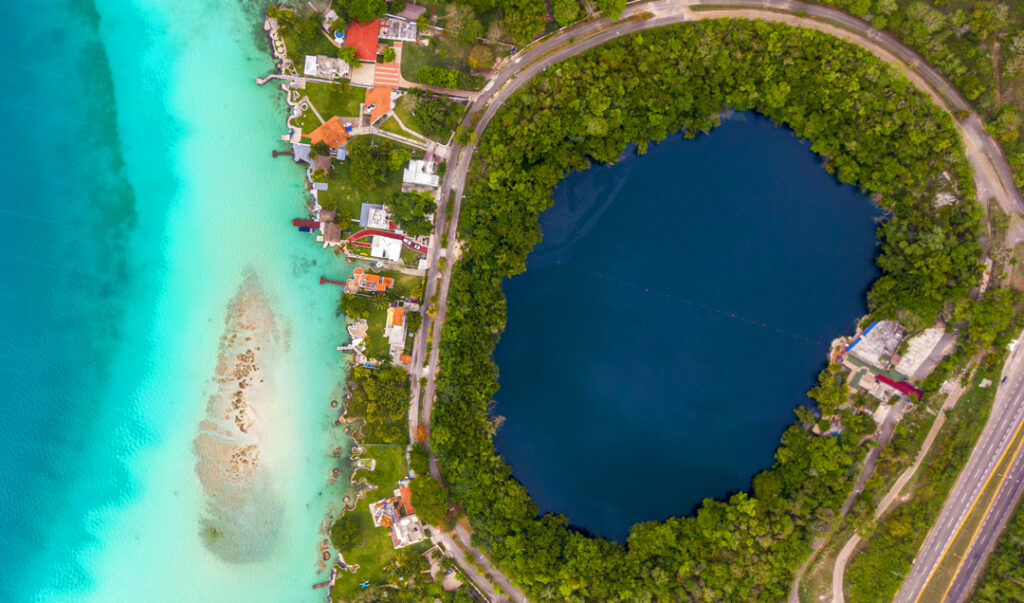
[611, 8]
[472, 30]
[365, 11]
[831, 392]
[343, 531]
[410, 211]
[481, 57]
[318, 149]
[371, 161]
[398, 157]
[455, 17]
[566, 11]
[429, 499]
[388, 55]
[419, 459]
[348, 54]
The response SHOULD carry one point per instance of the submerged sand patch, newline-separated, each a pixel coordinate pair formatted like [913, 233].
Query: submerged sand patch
[241, 521]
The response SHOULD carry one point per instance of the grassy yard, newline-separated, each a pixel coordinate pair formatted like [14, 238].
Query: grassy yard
[339, 99]
[441, 52]
[405, 110]
[343, 195]
[391, 125]
[376, 343]
[307, 121]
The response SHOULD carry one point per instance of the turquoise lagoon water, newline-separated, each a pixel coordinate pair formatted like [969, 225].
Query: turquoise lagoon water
[625, 399]
[140, 192]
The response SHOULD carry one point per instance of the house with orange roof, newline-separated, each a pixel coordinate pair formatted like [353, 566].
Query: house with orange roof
[394, 329]
[378, 102]
[365, 281]
[332, 132]
[363, 37]
[397, 514]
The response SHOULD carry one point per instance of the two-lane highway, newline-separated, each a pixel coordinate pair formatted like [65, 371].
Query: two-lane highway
[1006, 421]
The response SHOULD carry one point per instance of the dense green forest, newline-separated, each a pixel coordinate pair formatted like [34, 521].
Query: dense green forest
[977, 44]
[872, 128]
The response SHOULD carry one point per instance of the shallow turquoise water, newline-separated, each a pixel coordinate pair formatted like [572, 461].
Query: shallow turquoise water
[680, 305]
[140, 194]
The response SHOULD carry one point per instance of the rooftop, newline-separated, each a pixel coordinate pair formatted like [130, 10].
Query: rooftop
[380, 98]
[420, 173]
[363, 37]
[332, 132]
[386, 248]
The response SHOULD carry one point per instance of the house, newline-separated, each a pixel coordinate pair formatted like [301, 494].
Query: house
[363, 37]
[877, 343]
[398, 514]
[386, 248]
[394, 329]
[332, 131]
[377, 102]
[363, 281]
[399, 30]
[420, 174]
[325, 67]
[374, 216]
[332, 234]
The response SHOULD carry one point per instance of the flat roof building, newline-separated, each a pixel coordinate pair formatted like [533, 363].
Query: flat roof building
[374, 216]
[320, 66]
[419, 173]
[386, 248]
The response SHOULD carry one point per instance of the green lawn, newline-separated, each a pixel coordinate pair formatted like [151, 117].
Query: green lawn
[307, 121]
[376, 343]
[391, 125]
[405, 108]
[339, 99]
[442, 52]
[344, 196]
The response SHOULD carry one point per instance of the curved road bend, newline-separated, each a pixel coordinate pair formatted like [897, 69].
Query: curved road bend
[1005, 420]
[992, 172]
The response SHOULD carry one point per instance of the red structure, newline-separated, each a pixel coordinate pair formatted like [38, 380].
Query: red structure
[305, 223]
[324, 279]
[363, 37]
[901, 386]
[276, 153]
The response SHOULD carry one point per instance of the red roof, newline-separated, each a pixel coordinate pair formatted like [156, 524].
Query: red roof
[407, 500]
[332, 132]
[305, 223]
[901, 386]
[363, 37]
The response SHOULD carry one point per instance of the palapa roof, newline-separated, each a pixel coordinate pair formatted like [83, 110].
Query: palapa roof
[332, 234]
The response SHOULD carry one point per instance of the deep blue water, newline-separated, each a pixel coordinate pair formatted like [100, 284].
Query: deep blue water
[625, 403]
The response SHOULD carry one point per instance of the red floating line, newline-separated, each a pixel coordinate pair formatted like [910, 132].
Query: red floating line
[647, 290]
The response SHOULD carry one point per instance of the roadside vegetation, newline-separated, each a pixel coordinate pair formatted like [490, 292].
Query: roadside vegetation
[873, 130]
[977, 44]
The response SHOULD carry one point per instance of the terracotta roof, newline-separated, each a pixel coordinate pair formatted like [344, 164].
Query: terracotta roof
[407, 500]
[387, 281]
[405, 358]
[397, 316]
[332, 132]
[381, 99]
[363, 37]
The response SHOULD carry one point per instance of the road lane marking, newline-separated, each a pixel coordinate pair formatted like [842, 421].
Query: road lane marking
[969, 511]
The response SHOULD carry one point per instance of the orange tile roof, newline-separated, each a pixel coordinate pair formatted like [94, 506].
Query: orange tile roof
[363, 37]
[381, 98]
[405, 358]
[407, 500]
[387, 281]
[396, 317]
[332, 132]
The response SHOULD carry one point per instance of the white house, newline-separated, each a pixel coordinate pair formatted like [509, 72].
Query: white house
[420, 174]
[386, 248]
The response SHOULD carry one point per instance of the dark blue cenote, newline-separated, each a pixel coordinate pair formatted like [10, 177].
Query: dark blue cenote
[675, 314]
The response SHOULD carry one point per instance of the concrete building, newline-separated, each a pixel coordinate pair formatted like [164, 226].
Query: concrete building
[877, 344]
[374, 216]
[399, 30]
[394, 329]
[397, 514]
[386, 248]
[924, 351]
[324, 67]
[420, 174]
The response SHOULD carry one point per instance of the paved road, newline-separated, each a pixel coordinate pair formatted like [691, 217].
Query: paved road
[1004, 421]
[993, 175]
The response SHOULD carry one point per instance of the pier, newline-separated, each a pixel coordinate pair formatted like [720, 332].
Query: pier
[324, 279]
[276, 153]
